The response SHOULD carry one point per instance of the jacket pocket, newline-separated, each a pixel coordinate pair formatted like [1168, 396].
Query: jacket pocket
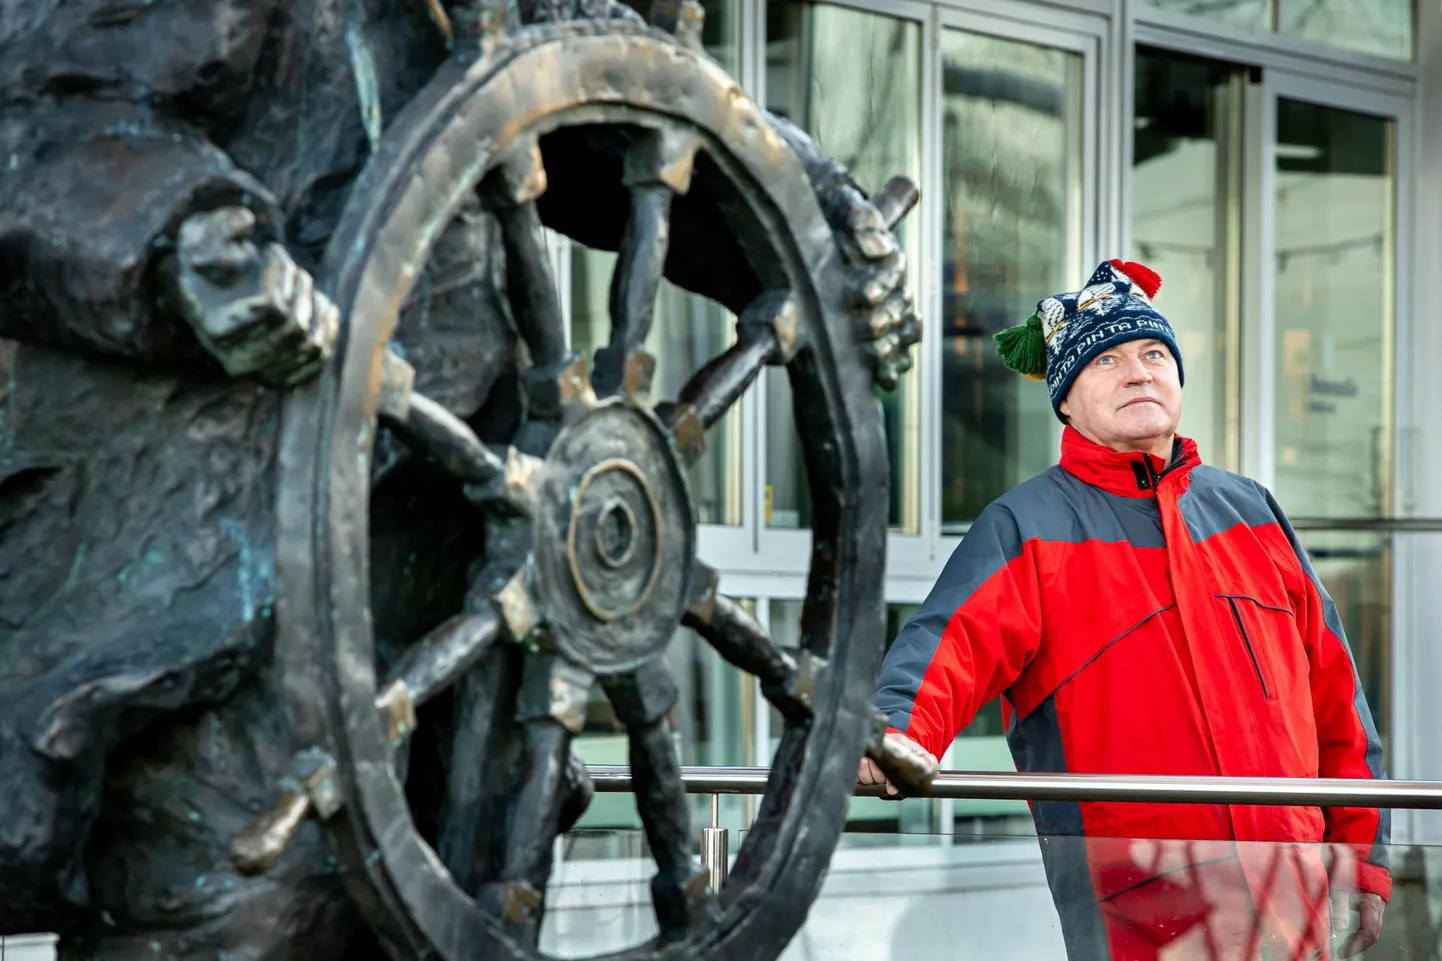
[1256, 644]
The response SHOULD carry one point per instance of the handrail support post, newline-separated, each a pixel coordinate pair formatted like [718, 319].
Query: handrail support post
[715, 847]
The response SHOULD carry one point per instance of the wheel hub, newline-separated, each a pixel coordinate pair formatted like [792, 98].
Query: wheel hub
[614, 539]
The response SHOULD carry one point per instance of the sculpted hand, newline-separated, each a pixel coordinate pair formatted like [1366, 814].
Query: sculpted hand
[903, 750]
[878, 269]
[251, 306]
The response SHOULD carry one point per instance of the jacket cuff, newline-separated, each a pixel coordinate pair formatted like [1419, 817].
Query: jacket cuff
[917, 737]
[1374, 879]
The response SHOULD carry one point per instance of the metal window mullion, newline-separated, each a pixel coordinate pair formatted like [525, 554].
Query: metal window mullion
[753, 414]
[1398, 377]
[761, 719]
[1116, 110]
[928, 284]
[1230, 186]
[752, 52]
[1415, 705]
[1258, 329]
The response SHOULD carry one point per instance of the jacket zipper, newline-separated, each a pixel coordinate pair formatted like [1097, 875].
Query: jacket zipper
[1251, 651]
[1146, 480]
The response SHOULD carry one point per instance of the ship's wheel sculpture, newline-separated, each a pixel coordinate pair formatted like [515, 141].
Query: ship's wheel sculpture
[590, 558]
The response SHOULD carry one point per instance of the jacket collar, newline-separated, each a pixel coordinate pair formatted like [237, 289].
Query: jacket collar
[1131, 474]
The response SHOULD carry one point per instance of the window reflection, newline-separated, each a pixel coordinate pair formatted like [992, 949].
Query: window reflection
[1248, 14]
[852, 80]
[1335, 272]
[1382, 28]
[1186, 224]
[1334, 289]
[1011, 176]
[1379, 27]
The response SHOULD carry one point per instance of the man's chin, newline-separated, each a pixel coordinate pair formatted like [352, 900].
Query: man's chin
[1145, 421]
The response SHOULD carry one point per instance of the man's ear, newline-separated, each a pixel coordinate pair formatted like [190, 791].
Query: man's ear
[1065, 410]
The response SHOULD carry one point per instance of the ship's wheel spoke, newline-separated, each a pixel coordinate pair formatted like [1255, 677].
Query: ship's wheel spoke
[432, 430]
[507, 476]
[551, 707]
[766, 334]
[511, 191]
[787, 679]
[680, 890]
[429, 666]
[438, 660]
[658, 168]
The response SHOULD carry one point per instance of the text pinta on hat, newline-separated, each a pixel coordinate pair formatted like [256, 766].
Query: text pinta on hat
[1067, 330]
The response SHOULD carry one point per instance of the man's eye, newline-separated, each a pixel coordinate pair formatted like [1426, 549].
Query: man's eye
[1154, 354]
[1105, 360]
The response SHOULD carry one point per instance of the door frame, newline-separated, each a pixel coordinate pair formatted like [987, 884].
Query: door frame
[1259, 379]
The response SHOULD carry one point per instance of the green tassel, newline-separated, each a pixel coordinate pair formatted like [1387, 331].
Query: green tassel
[1023, 348]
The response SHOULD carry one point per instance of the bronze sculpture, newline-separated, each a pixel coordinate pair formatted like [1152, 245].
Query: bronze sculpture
[230, 501]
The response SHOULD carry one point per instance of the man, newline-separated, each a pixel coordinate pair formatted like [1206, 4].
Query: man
[1142, 613]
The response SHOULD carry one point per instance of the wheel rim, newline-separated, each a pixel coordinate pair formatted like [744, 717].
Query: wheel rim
[434, 155]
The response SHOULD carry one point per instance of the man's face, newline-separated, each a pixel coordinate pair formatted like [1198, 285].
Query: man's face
[1128, 398]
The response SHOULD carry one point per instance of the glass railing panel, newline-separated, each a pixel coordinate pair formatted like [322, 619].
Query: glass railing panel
[892, 897]
[28, 947]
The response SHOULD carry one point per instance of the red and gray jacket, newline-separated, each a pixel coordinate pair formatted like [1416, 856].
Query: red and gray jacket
[1141, 617]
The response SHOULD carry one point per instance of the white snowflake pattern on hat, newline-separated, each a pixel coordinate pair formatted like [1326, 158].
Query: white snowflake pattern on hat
[1094, 299]
[1053, 317]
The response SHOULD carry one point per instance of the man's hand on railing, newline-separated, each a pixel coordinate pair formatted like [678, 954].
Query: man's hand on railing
[870, 772]
[1369, 908]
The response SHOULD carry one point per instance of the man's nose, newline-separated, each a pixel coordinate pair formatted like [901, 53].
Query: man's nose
[1136, 371]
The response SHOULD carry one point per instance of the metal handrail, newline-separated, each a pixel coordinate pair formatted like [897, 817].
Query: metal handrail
[979, 785]
[1375, 525]
[1378, 525]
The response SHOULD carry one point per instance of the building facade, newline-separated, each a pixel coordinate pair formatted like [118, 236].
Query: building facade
[1279, 163]
[1276, 163]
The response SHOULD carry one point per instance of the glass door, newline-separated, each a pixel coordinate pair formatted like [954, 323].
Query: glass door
[1017, 140]
[1018, 157]
[850, 75]
[1323, 355]
[1187, 178]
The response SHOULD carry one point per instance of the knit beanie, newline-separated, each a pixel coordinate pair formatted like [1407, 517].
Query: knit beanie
[1068, 330]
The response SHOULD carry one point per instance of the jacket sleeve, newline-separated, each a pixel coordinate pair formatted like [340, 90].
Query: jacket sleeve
[91, 196]
[110, 116]
[976, 632]
[1347, 740]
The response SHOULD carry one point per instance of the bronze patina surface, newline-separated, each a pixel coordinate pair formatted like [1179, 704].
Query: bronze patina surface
[314, 535]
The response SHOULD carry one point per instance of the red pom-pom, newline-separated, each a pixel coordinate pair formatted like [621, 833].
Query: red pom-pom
[1140, 274]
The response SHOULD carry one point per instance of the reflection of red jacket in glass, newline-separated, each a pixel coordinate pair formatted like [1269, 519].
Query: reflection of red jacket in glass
[1140, 618]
